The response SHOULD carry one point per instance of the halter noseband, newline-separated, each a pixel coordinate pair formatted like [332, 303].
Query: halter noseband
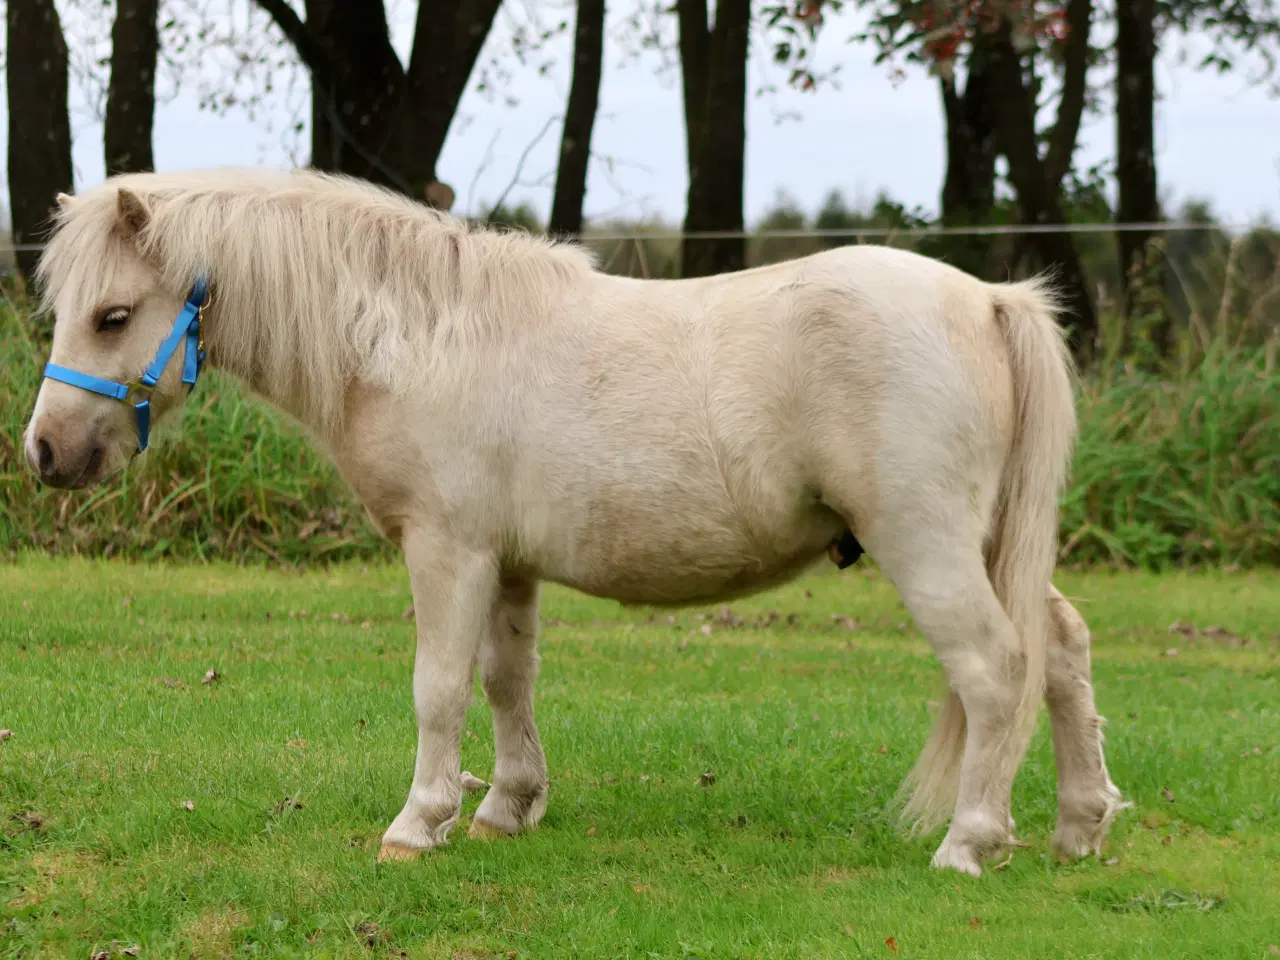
[185, 327]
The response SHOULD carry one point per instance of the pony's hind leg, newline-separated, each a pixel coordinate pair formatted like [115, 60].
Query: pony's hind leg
[968, 767]
[1087, 799]
[453, 594]
[508, 669]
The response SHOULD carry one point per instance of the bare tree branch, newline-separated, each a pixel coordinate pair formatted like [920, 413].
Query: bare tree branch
[524, 156]
[1066, 131]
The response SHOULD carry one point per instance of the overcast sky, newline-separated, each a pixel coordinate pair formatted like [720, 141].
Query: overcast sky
[1218, 138]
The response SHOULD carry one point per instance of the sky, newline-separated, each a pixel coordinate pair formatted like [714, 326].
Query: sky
[1218, 137]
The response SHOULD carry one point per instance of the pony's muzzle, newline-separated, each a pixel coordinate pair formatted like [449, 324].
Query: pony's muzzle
[63, 464]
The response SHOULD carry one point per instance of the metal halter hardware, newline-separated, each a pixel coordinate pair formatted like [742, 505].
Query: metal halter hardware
[185, 328]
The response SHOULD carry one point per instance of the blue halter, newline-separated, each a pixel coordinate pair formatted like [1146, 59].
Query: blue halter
[185, 327]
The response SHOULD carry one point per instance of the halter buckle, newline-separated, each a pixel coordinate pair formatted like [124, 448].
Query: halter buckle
[137, 386]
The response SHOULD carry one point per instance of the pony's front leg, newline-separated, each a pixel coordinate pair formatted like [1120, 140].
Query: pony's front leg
[508, 668]
[454, 588]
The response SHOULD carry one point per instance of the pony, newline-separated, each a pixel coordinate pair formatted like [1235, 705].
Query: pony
[510, 415]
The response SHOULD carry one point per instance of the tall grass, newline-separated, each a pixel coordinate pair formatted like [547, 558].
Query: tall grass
[1180, 468]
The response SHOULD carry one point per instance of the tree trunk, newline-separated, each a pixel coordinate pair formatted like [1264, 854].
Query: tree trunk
[1135, 140]
[717, 138]
[579, 118]
[1038, 189]
[39, 127]
[969, 190]
[356, 92]
[131, 94]
[370, 117]
[446, 44]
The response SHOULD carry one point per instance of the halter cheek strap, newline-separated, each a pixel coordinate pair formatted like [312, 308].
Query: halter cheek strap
[186, 330]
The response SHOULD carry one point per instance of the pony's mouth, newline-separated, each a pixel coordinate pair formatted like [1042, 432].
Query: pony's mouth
[90, 472]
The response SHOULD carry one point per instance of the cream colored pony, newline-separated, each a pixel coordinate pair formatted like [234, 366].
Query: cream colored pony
[509, 415]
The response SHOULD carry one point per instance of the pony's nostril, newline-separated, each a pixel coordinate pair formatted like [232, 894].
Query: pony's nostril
[46, 462]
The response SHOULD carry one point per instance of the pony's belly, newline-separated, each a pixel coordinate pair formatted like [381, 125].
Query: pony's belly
[673, 567]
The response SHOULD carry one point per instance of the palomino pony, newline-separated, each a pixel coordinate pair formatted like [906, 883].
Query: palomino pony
[508, 415]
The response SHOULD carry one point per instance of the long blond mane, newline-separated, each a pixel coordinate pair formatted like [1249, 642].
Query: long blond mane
[317, 279]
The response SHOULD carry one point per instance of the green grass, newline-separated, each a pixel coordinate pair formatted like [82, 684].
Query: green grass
[1169, 472]
[808, 727]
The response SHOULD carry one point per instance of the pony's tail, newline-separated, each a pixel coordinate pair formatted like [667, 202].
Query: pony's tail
[1021, 545]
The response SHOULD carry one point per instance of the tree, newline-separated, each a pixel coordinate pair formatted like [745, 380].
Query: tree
[969, 188]
[1000, 41]
[39, 127]
[579, 118]
[131, 95]
[371, 117]
[1037, 180]
[1138, 198]
[713, 63]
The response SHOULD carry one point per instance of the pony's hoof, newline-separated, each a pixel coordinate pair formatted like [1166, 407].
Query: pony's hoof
[957, 856]
[393, 852]
[1081, 833]
[484, 830]
[507, 812]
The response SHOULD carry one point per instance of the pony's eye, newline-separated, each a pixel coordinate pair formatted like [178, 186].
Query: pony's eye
[113, 318]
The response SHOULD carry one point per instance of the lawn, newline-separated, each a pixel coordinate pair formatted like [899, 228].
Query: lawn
[717, 790]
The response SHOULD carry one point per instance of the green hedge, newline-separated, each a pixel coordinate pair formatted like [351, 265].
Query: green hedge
[1171, 471]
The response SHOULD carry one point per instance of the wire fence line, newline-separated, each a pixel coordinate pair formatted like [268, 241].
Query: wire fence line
[994, 230]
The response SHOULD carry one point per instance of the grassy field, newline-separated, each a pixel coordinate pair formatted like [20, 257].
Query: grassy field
[713, 794]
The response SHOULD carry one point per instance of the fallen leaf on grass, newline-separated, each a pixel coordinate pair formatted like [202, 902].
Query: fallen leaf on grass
[1168, 794]
[884, 748]
[210, 677]
[172, 683]
[591, 830]
[845, 621]
[298, 743]
[30, 819]
[1171, 652]
[848, 930]
[369, 933]
[1163, 901]
[707, 779]
[729, 618]
[288, 803]
[1112, 862]
[5, 735]
[132, 950]
[892, 944]
[1166, 840]
[975, 923]
[640, 888]
[188, 805]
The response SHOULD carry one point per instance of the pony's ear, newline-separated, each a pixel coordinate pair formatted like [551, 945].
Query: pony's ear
[65, 200]
[132, 211]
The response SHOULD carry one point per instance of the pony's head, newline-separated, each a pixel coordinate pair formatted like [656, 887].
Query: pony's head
[114, 315]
